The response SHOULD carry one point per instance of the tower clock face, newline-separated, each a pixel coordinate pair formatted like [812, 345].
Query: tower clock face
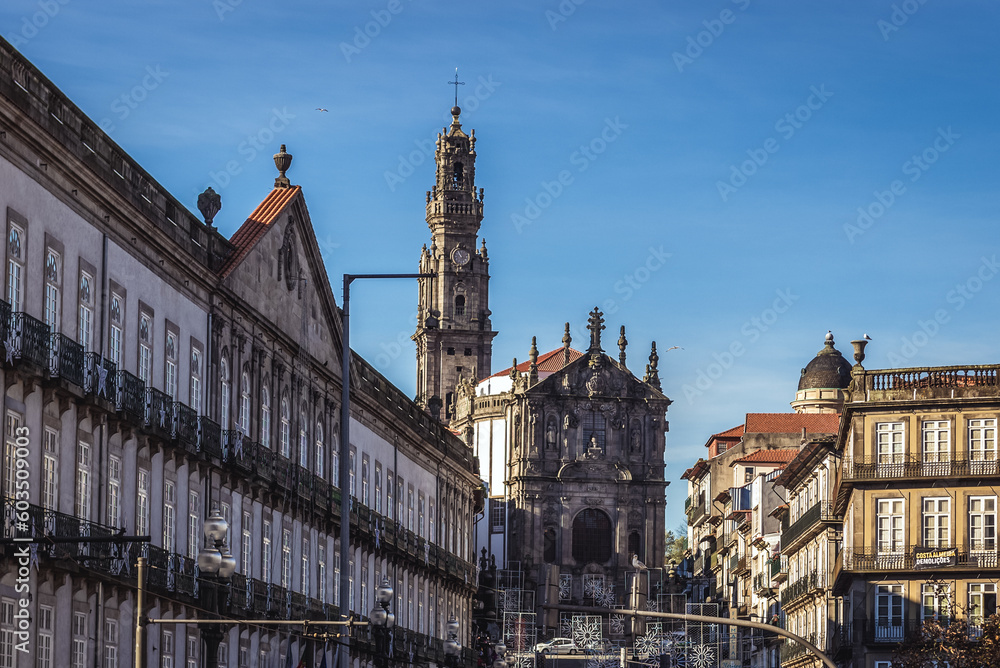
[460, 256]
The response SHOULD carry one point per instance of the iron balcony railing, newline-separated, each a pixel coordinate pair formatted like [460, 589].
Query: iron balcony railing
[800, 588]
[983, 554]
[938, 465]
[185, 427]
[28, 341]
[779, 567]
[100, 377]
[792, 649]
[131, 399]
[66, 359]
[698, 513]
[821, 511]
[159, 412]
[4, 320]
[209, 438]
[880, 631]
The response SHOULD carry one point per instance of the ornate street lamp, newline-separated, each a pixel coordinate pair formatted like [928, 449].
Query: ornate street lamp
[382, 620]
[216, 565]
[452, 648]
[501, 649]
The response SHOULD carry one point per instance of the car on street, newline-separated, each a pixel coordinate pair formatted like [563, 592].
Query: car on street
[557, 646]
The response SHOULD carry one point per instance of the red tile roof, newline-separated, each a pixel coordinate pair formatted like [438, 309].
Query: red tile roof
[768, 457]
[256, 225]
[547, 363]
[736, 432]
[791, 423]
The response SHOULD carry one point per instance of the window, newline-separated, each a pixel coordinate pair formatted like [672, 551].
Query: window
[50, 470]
[335, 454]
[53, 274]
[936, 447]
[889, 525]
[169, 516]
[421, 504]
[352, 481]
[321, 571]
[85, 321]
[7, 626]
[400, 486]
[889, 440]
[286, 558]
[195, 391]
[592, 536]
[748, 475]
[430, 521]
[44, 639]
[194, 526]
[982, 602]
[166, 649]
[265, 417]
[983, 446]
[142, 503]
[303, 442]
[79, 652]
[364, 481]
[378, 487]
[83, 480]
[114, 491]
[246, 545]
[936, 522]
[265, 553]
[15, 268]
[889, 613]
[336, 572]
[145, 348]
[170, 370]
[286, 430]
[226, 393]
[304, 574]
[936, 602]
[192, 651]
[549, 545]
[320, 451]
[593, 430]
[409, 508]
[110, 643]
[460, 305]
[244, 415]
[388, 494]
[982, 523]
[115, 337]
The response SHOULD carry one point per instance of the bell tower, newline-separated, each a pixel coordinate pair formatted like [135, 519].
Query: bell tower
[454, 335]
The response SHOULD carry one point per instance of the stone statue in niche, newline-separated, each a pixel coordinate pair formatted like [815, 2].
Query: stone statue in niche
[550, 434]
[635, 440]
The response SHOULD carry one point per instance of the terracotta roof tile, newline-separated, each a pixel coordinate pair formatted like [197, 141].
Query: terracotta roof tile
[256, 225]
[768, 457]
[547, 363]
[790, 423]
[735, 432]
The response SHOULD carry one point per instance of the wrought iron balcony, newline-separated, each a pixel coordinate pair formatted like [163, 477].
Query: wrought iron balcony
[942, 465]
[159, 412]
[131, 399]
[237, 450]
[884, 631]
[4, 320]
[28, 341]
[800, 588]
[66, 359]
[209, 438]
[779, 568]
[698, 513]
[819, 512]
[979, 555]
[185, 427]
[100, 377]
[264, 466]
[792, 649]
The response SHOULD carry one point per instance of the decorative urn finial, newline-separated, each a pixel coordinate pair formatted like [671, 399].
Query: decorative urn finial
[622, 342]
[209, 203]
[282, 160]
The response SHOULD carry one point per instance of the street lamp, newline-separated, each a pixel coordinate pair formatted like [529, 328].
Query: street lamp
[382, 620]
[501, 649]
[216, 565]
[452, 647]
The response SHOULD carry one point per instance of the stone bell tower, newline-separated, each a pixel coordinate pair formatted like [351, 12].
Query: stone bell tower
[454, 335]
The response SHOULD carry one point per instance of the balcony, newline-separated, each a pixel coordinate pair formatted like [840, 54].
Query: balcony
[238, 451]
[28, 341]
[131, 398]
[943, 465]
[791, 649]
[819, 512]
[762, 583]
[264, 466]
[159, 412]
[800, 588]
[943, 382]
[209, 438]
[884, 631]
[974, 556]
[185, 427]
[100, 376]
[778, 567]
[66, 359]
[698, 514]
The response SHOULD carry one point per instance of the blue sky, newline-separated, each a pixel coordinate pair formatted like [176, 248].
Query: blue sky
[744, 139]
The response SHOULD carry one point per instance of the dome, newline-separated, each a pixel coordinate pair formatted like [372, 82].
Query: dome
[828, 369]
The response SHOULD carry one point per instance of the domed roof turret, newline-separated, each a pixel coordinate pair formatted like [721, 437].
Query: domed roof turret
[828, 369]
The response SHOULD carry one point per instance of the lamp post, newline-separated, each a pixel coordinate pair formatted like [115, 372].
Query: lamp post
[501, 649]
[382, 620]
[216, 565]
[452, 648]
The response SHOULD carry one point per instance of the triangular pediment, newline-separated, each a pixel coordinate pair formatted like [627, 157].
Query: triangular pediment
[596, 376]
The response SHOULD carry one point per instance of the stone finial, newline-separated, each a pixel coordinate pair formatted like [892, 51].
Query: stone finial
[595, 325]
[209, 203]
[859, 351]
[482, 251]
[513, 370]
[282, 160]
[566, 340]
[622, 342]
[533, 369]
[652, 376]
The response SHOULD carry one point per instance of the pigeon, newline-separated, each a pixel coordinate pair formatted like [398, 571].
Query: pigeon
[636, 564]
[867, 338]
[321, 109]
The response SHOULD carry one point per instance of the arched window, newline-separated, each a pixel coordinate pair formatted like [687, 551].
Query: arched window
[635, 544]
[549, 547]
[592, 536]
[265, 417]
[226, 392]
[460, 305]
[285, 443]
[335, 455]
[320, 450]
[458, 173]
[303, 442]
[244, 416]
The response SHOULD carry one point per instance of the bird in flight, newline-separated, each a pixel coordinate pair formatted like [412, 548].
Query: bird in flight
[321, 109]
[673, 348]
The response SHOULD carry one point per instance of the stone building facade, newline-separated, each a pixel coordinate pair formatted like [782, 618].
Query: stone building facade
[158, 372]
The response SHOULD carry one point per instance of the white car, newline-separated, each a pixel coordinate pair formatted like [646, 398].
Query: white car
[557, 646]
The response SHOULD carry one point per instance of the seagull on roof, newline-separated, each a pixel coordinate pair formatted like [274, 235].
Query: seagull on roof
[321, 109]
[867, 338]
[636, 564]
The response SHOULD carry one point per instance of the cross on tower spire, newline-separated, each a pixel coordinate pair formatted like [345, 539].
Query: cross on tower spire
[456, 83]
[596, 324]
